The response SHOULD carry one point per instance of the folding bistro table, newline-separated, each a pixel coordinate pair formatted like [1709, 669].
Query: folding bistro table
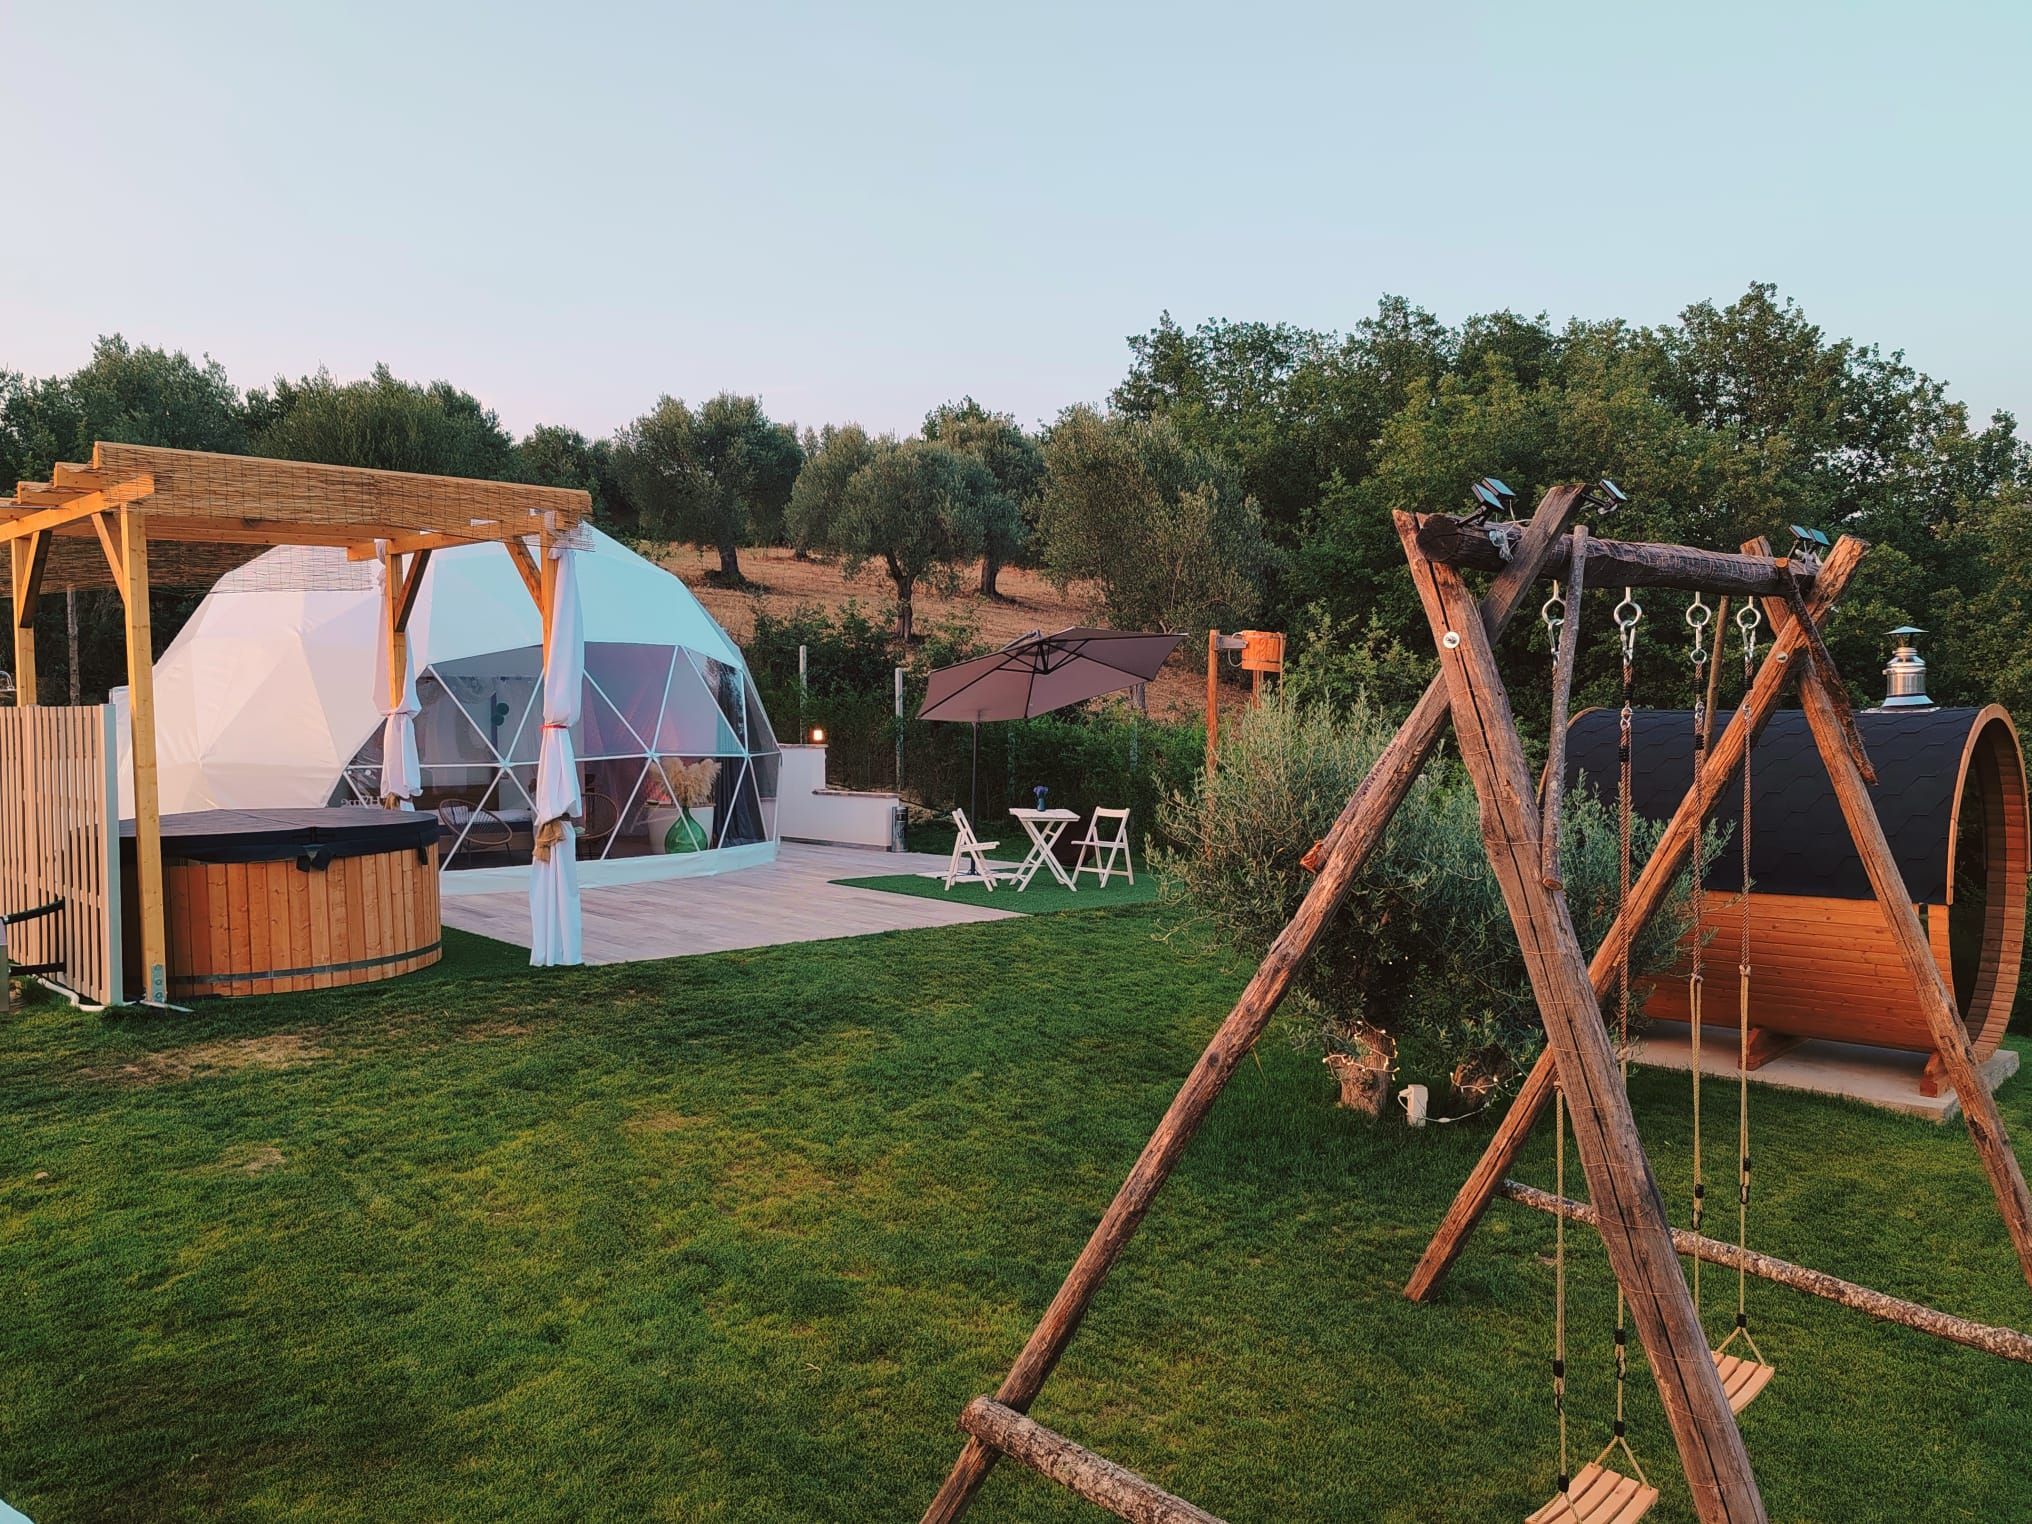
[1043, 827]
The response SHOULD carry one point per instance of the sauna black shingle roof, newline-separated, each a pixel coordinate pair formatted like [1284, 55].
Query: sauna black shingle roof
[1799, 843]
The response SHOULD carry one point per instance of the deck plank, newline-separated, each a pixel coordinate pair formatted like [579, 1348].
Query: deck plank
[794, 899]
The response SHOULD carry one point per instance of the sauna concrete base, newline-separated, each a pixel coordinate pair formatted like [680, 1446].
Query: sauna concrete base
[1881, 1077]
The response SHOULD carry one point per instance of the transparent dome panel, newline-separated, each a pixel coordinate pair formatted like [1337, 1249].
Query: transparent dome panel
[692, 724]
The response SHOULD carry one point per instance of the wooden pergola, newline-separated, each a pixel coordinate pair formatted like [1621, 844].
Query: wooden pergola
[140, 516]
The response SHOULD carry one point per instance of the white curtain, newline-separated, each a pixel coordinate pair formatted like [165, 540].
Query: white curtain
[401, 776]
[554, 877]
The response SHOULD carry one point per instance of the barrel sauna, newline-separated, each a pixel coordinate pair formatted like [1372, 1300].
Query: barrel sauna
[263, 902]
[1951, 793]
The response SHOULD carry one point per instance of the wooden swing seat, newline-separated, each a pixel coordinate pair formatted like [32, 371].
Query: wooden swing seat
[1598, 1496]
[1742, 1379]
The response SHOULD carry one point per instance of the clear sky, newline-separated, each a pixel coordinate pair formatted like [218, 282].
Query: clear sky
[861, 210]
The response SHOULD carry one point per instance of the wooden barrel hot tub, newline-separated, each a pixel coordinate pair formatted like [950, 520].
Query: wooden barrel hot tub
[1951, 792]
[260, 902]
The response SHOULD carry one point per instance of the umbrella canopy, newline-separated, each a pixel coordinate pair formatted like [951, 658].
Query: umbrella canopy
[1036, 673]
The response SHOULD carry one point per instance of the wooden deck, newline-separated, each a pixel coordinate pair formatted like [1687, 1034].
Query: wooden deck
[1875, 1076]
[793, 899]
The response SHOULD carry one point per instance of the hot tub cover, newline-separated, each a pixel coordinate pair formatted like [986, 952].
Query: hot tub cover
[260, 836]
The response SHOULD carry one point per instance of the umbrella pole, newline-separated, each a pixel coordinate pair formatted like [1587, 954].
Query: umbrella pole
[974, 788]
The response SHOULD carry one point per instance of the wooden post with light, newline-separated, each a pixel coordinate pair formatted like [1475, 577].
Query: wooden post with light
[1260, 651]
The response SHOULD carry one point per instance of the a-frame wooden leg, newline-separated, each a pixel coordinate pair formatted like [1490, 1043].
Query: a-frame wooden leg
[1355, 835]
[1653, 884]
[1633, 1224]
[26, 560]
[1950, 1038]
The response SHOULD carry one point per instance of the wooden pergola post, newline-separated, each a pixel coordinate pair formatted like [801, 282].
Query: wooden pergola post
[140, 633]
[401, 582]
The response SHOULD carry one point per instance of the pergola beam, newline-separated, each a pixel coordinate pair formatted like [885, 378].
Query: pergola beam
[525, 568]
[86, 478]
[75, 508]
[25, 686]
[403, 544]
[411, 585]
[104, 526]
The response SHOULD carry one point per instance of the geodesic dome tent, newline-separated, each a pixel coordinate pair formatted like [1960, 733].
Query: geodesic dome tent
[267, 698]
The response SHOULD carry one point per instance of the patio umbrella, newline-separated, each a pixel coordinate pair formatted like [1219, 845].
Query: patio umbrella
[1037, 673]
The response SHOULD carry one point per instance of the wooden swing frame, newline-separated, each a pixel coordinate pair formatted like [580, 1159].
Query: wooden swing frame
[1627, 1209]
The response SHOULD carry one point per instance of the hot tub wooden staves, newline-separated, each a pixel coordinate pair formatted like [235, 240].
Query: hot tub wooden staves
[263, 902]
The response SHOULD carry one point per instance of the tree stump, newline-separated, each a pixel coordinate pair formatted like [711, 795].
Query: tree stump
[1364, 1075]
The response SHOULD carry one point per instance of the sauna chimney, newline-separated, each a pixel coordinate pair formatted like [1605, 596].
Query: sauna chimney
[1905, 678]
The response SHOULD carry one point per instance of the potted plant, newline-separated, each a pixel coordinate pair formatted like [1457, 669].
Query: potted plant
[685, 822]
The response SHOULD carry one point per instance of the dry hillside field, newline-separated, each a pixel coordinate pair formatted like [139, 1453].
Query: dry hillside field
[1029, 602]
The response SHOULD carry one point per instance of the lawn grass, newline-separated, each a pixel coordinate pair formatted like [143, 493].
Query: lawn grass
[1045, 896]
[734, 1237]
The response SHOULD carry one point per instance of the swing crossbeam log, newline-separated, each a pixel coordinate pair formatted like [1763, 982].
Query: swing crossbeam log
[1074, 1467]
[1469, 546]
[2005, 1343]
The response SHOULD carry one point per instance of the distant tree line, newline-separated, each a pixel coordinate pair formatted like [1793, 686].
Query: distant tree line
[1239, 473]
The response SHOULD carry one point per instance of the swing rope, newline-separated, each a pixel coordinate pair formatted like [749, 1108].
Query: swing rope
[1701, 620]
[1559, 1284]
[1583, 1497]
[1748, 618]
[1627, 614]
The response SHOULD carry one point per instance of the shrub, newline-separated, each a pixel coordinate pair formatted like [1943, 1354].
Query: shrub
[1423, 946]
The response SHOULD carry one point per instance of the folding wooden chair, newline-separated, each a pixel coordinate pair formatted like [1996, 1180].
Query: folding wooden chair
[969, 849]
[1108, 851]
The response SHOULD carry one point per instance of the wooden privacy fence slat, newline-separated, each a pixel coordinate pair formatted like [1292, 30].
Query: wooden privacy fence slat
[59, 842]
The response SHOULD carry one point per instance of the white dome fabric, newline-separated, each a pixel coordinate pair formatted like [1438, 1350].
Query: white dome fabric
[268, 698]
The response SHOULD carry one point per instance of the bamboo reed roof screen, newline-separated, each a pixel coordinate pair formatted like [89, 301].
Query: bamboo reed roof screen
[207, 514]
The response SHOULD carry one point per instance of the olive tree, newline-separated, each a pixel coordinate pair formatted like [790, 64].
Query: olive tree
[916, 507]
[1014, 459]
[716, 477]
[1161, 528]
[1423, 949]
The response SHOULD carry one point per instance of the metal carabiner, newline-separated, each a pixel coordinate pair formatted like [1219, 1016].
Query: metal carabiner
[1748, 618]
[1627, 614]
[1553, 612]
[1698, 617]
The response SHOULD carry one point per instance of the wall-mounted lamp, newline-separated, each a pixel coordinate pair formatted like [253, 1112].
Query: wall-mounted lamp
[818, 735]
